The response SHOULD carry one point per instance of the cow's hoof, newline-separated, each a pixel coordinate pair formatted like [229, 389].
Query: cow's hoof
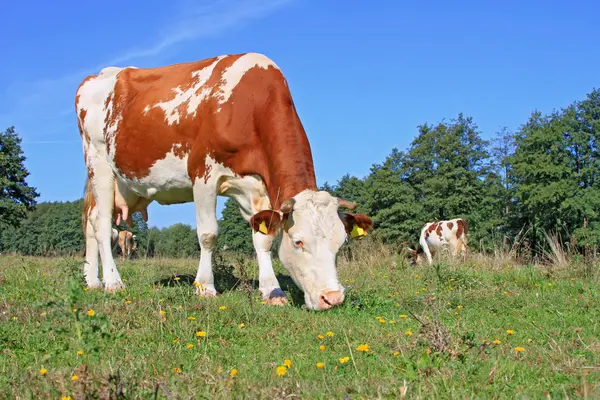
[277, 297]
[206, 291]
[112, 287]
[94, 285]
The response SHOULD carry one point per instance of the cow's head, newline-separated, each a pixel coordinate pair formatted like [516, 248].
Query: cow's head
[134, 243]
[312, 233]
[415, 256]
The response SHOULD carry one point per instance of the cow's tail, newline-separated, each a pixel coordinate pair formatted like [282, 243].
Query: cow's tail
[463, 238]
[88, 203]
[424, 246]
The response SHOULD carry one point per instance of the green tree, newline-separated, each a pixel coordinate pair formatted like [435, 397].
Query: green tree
[51, 229]
[16, 196]
[235, 233]
[177, 241]
[556, 166]
[392, 202]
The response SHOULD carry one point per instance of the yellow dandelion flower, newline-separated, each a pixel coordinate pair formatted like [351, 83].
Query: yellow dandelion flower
[190, 346]
[281, 370]
[91, 313]
[321, 337]
[344, 360]
[320, 365]
[14, 318]
[572, 279]
[177, 370]
[80, 353]
[180, 307]
[496, 341]
[176, 340]
[529, 340]
[392, 322]
[233, 372]
[416, 292]
[74, 378]
[396, 353]
[242, 325]
[382, 321]
[223, 308]
[43, 314]
[162, 312]
[519, 349]
[408, 333]
[459, 306]
[200, 334]
[510, 332]
[402, 316]
[43, 371]
[65, 398]
[363, 347]
[321, 347]
[177, 278]
[330, 334]
[288, 363]
[505, 292]
[191, 318]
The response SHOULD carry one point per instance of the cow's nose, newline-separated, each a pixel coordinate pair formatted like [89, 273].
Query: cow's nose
[331, 299]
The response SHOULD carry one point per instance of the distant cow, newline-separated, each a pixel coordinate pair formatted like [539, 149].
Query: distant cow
[440, 236]
[127, 243]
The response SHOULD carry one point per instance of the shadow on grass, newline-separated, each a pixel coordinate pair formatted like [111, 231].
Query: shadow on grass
[226, 281]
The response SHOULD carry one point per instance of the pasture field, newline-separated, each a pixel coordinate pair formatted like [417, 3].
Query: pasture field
[485, 328]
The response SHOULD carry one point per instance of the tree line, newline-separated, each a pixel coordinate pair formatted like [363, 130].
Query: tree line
[514, 189]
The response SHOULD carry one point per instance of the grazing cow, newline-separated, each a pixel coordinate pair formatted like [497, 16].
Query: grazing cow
[443, 235]
[127, 243]
[222, 126]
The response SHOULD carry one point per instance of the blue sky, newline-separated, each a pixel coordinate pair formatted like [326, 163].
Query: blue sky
[363, 74]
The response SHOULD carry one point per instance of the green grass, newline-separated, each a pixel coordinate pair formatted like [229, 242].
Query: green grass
[129, 351]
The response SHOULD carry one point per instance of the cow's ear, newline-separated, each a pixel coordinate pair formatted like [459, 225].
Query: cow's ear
[356, 224]
[267, 222]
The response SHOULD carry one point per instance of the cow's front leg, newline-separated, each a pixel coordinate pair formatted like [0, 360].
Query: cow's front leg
[205, 200]
[267, 282]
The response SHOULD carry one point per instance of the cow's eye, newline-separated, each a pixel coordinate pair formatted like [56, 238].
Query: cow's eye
[299, 243]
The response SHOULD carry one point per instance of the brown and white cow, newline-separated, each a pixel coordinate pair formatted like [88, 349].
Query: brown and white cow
[441, 236]
[127, 243]
[223, 126]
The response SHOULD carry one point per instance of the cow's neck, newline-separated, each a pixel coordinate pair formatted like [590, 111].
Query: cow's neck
[284, 186]
[290, 167]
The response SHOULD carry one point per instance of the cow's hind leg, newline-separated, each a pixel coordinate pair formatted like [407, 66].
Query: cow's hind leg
[103, 187]
[90, 269]
[205, 200]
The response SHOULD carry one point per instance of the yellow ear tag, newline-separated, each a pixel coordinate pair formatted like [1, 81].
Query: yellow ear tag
[357, 231]
[263, 228]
